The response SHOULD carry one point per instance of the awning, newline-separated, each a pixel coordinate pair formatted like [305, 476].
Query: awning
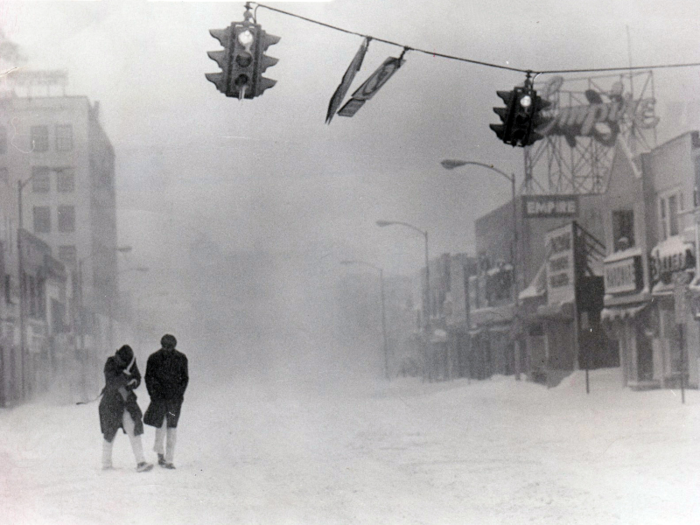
[614, 313]
[538, 286]
[561, 311]
[672, 255]
[663, 289]
[695, 285]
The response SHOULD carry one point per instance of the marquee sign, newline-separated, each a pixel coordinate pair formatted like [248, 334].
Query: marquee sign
[560, 264]
[550, 206]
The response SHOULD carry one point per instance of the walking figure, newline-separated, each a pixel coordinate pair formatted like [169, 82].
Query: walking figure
[166, 381]
[119, 409]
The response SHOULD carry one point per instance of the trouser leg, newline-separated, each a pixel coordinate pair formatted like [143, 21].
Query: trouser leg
[135, 440]
[107, 453]
[158, 446]
[170, 447]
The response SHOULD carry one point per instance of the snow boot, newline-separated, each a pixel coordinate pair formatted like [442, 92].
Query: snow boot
[161, 460]
[144, 467]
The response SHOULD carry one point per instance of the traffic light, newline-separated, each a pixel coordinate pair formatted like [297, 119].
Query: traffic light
[242, 61]
[263, 61]
[223, 58]
[504, 130]
[521, 116]
[538, 120]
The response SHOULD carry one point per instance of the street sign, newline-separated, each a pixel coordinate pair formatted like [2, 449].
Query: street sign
[370, 86]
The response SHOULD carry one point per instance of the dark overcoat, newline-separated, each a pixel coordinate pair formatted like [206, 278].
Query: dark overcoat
[113, 404]
[166, 382]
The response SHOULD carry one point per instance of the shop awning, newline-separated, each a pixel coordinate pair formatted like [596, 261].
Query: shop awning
[615, 313]
[562, 311]
[663, 289]
[538, 286]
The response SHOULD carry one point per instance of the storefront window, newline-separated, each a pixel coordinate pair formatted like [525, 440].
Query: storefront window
[623, 229]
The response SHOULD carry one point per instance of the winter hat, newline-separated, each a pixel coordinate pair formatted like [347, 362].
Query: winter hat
[168, 341]
[125, 354]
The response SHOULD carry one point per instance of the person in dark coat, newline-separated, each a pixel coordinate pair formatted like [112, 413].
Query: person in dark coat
[119, 409]
[166, 381]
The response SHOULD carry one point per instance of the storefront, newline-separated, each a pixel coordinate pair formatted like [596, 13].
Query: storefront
[671, 325]
[626, 318]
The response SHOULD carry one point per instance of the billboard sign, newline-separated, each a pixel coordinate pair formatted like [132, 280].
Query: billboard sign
[600, 119]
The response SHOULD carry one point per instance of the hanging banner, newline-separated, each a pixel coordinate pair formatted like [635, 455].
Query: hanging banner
[348, 77]
[371, 86]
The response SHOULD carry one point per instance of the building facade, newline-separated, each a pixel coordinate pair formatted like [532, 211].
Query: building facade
[57, 179]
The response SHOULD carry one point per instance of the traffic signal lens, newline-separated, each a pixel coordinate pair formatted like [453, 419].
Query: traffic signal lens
[244, 59]
[526, 101]
[241, 80]
[245, 38]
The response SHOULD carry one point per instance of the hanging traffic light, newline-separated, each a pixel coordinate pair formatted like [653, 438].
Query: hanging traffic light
[521, 116]
[243, 60]
[223, 58]
[538, 119]
[504, 130]
[263, 61]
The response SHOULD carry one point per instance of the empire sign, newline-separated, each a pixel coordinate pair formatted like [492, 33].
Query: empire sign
[550, 206]
[599, 120]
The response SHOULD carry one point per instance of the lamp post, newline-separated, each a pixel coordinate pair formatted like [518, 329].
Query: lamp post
[382, 224]
[381, 283]
[451, 164]
[428, 299]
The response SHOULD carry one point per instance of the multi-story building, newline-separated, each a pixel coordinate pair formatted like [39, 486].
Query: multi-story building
[57, 163]
[651, 233]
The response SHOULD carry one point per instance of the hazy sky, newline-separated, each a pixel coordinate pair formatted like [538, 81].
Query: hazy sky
[269, 173]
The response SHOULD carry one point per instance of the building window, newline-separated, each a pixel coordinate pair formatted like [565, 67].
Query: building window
[3, 140]
[68, 255]
[623, 229]
[64, 137]
[65, 181]
[670, 208]
[42, 219]
[40, 138]
[66, 218]
[41, 183]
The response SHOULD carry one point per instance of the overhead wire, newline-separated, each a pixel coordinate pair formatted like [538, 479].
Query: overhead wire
[478, 62]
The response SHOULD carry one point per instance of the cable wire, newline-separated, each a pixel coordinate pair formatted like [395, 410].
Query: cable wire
[478, 62]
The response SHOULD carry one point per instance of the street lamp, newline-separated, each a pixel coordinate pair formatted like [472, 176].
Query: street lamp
[452, 164]
[382, 224]
[381, 282]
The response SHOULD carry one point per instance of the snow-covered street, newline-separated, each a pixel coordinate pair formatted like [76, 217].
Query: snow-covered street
[496, 451]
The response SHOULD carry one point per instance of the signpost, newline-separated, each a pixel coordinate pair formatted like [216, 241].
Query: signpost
[680, 281]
